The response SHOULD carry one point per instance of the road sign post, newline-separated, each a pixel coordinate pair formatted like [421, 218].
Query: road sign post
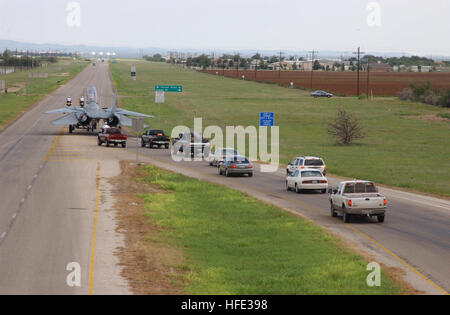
[159, 99]
[133, 73]
[267, 119]
[138, 127]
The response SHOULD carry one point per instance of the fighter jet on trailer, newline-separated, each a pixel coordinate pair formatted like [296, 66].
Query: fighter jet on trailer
[89, 115]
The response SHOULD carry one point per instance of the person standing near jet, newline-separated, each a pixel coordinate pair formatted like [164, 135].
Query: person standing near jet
[82, 101]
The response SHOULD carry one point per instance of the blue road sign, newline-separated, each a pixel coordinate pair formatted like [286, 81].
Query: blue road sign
[267, 119]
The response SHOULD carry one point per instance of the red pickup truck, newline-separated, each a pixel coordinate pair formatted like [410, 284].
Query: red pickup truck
[112, 136]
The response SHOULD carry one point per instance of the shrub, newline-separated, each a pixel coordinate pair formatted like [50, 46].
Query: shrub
[444, 100]
[406, 94]
[345, 128]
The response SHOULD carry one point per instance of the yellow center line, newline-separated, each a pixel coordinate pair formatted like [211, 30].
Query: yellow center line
[345, 224]
[55, 143]
[91, 278]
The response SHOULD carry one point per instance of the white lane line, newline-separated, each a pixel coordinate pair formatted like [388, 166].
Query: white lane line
[14, 216]
[22, 201]
[3, 235]
[29, 187]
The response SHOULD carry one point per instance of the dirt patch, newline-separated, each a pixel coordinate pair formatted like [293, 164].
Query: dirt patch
[16, 87]
[432, 118]
[66, 74]
[150, 265]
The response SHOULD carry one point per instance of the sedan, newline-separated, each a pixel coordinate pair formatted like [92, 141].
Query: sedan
[236, 165]
[307, 180]
[220, 155]
[321, 94]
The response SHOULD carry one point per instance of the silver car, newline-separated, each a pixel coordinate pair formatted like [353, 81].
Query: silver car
[236, 165]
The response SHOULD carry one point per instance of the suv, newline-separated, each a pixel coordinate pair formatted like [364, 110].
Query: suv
[306, 162]
[193, 143]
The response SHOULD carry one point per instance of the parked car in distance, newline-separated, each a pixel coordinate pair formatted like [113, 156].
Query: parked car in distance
[220, 155]
[112, 136]
[236, 165]
[357, 198]
[154, 137]
[307, 162]
[193, 142]
[307, 179]
[321, 94]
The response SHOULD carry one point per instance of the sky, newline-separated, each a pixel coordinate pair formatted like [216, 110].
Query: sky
[413, 26]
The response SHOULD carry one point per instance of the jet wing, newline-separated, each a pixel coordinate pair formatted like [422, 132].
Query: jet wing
[129, 113]
[124, 120]
[67, 110]
[70, 119]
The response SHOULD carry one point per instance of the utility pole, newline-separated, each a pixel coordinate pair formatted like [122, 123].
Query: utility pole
[368, 76]
[359, 52]
[279, 69]
[313, 52]
[212, 62]
[256, 64]
[238, 63]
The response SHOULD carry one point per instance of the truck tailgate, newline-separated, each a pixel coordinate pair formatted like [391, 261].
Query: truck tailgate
[367, 201]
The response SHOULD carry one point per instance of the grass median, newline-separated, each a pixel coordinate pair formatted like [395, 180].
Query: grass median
[235, 244]
[24, 91]
[405, 146]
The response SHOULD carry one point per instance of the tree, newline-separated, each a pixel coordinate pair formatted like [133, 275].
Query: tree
[345, 128]
[316, 65]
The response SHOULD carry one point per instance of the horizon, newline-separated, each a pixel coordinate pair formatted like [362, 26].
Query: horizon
[376, 26]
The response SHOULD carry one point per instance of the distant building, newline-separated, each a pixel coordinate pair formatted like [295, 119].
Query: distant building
[378, 67]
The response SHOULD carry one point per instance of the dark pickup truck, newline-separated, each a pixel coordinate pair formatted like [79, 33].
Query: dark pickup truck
[112, 136]
[154, 137]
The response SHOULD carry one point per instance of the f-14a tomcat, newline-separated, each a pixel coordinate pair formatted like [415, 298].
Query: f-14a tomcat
[89, 115]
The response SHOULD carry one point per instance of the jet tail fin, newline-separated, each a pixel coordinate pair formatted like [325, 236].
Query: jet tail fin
[114, 108]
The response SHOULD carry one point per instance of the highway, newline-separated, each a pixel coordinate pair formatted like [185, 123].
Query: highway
[52, 182]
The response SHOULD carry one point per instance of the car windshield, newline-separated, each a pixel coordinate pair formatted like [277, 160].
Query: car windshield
[311, 174]
[314, 162]
[360, 188]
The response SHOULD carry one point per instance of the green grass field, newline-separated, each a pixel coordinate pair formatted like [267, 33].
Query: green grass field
[235, 244]
[400, 150]
[30, 90]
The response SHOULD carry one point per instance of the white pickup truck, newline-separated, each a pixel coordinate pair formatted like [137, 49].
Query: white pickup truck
[357, 198]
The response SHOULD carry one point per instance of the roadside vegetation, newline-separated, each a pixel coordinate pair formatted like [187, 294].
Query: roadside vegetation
[24, 91]
[423, 93]
[232, 243]
[406, 143]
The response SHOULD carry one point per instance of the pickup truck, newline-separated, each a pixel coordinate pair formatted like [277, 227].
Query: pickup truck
[357, 198]
[153, 138]
[112, 136]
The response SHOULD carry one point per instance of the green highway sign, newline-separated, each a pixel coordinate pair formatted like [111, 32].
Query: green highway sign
[169, 88]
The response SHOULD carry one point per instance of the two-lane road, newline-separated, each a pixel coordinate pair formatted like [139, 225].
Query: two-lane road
[49, 191]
